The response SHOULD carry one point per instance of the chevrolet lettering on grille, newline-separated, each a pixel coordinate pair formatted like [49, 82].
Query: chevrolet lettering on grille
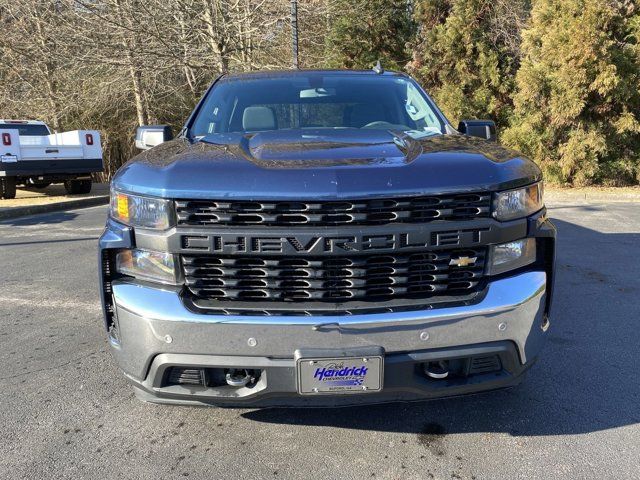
[230, 243]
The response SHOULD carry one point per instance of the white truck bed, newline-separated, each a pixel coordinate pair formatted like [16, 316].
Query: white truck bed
[30, 155]
[56, 153]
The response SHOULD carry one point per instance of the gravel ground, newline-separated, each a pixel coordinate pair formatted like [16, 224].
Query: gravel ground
[66, 411]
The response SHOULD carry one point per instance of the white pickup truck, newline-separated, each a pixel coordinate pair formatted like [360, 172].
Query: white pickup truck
[31, 155]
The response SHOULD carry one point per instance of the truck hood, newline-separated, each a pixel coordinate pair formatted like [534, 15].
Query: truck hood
[313, 164]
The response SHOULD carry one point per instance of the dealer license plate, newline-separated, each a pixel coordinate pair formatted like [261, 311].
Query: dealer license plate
[339, 375]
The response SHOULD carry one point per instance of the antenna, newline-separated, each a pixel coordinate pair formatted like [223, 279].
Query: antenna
[378, 68]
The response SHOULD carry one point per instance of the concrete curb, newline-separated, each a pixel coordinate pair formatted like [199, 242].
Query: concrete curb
[16, 212]
[586, 195]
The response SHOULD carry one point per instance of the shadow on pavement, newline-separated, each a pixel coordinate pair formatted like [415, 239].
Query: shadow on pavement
[586, 379]
[40, 242]
[41, 219]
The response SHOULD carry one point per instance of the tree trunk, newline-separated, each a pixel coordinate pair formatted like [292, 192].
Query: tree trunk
[212, 15]
[135, 72]
[48, 69]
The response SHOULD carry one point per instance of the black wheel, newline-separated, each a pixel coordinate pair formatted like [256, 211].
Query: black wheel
[76, 187]
[9, 188]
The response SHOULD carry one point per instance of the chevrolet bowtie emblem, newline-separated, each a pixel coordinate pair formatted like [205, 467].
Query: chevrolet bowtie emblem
[463, 261]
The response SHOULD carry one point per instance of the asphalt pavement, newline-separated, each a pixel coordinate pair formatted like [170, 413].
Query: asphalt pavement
[67, 412]
[53, 198]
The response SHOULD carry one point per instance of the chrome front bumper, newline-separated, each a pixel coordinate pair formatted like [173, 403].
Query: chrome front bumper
[153, 324]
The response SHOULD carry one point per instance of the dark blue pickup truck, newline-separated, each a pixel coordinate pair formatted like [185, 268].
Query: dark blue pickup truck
[320, 238]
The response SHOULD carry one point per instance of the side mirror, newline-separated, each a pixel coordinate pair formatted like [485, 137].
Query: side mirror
[151, 135]
[485, 129]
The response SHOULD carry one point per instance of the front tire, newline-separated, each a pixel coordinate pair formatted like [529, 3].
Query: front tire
[76, 187]
[8, 188]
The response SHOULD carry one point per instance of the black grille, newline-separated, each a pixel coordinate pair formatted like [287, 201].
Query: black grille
[109, 310]
[486, 364]
[186, 376]
[368, 279]
[358, 212]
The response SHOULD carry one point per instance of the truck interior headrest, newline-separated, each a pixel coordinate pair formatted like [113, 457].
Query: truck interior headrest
[258, 118]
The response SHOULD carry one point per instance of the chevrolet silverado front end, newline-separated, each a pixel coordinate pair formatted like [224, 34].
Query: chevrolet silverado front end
[324, 238]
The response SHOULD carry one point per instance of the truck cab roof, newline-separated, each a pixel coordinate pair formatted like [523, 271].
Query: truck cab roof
[27, 128]
[23, 122]
[302, 72]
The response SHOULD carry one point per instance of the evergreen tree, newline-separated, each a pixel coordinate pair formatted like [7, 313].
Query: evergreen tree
[361, 32]
[467, 55]
[577, 107]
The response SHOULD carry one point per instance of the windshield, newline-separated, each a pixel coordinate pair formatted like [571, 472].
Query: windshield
[26, 130]
[312, 101]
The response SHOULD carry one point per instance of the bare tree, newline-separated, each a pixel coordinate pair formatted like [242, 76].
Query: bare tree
[116, 64]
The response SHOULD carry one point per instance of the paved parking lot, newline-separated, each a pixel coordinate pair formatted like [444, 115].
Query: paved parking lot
[33, 200]
[66, 412]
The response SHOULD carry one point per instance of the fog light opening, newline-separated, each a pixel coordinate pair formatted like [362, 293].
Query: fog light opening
[437, 370]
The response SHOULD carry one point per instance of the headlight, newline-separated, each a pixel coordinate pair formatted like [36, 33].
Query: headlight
[518, 203]
[147, 265]
[138, 211]
[512, 255]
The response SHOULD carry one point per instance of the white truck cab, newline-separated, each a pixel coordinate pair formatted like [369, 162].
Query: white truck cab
[31, 155]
